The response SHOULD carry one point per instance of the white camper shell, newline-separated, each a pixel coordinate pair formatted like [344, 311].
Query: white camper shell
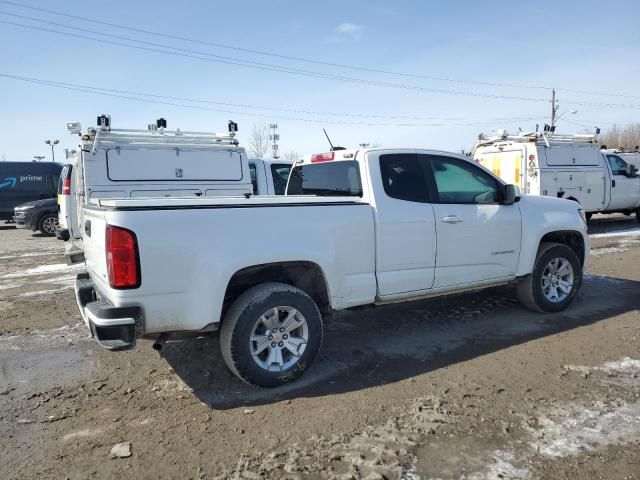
[156, 162]
[563, 166]
[125, 163]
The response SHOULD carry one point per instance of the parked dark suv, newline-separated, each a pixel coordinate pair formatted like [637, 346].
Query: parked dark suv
[38, 215]
[22, 182]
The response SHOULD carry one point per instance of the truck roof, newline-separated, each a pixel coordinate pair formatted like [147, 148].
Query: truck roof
[358, 153]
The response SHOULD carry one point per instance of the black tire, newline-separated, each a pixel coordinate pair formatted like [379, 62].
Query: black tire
[530, 289]
[243, 315]
[44, 224]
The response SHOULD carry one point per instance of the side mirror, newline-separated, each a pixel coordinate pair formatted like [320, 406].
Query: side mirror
[631, 171]
[510, 194]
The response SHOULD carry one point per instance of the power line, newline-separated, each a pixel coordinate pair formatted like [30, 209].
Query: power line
[278, 68]
[260, 107]
[139, 98]
[309, 60]
[180, 52]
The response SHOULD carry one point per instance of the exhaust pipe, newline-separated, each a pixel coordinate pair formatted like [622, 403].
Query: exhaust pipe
[159, 342]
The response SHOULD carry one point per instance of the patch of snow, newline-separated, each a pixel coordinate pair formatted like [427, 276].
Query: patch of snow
[30, 254]
[51, 337]
[43, 270]
[45, 292]
[631, 232]
[576, 428]
[81, 434]
[565, 430]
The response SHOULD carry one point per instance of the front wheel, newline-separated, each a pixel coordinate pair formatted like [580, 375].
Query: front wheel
[554, 281]
[48, 224]
[271, 334]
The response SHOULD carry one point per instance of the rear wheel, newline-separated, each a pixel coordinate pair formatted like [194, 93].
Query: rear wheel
[271, 334]
[48, 224]
[555, 280]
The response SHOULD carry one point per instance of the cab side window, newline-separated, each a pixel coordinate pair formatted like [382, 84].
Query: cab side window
[618, 165]
[403, 177]
[461, 182]
[280, 174]
[254, 179]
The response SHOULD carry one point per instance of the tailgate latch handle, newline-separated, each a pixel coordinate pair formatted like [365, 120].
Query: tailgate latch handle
[87, 227]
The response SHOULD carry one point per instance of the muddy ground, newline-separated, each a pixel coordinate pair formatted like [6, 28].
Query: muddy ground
[467, 387]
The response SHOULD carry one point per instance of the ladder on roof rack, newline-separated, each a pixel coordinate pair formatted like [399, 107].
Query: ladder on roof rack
[103, 136]
[541, 137]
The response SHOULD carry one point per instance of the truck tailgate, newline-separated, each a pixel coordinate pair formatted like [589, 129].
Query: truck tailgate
[94, 227]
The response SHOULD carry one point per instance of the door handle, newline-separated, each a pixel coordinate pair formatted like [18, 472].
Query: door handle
[451, 219]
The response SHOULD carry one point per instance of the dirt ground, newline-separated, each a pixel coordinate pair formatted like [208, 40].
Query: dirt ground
[466, 387]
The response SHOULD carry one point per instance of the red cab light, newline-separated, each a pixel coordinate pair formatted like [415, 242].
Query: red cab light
[123, 263]
[322, 157]
[66, 186]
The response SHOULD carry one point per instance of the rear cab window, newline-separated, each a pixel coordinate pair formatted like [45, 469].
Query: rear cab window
[331, 179]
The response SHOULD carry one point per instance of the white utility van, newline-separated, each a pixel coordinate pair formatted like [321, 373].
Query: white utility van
[563, 166]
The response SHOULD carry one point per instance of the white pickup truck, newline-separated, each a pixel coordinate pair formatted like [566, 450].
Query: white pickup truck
[357, 227]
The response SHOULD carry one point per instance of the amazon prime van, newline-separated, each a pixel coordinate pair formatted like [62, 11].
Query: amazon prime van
[22, 182]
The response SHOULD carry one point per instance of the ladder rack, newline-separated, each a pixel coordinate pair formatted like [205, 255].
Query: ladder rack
[155, 134]
[538, 137]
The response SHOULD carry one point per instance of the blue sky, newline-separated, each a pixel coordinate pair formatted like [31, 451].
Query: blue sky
[588, 46]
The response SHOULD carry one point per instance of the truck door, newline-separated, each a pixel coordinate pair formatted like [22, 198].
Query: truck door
[404, 222]
[478, 237]
[625, 191]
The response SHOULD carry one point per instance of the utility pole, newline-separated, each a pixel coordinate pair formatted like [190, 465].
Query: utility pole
[554, 107]
[274, 137]
[52, 143]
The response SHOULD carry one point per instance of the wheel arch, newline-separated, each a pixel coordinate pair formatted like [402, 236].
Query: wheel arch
[571, 238]
[307, 276]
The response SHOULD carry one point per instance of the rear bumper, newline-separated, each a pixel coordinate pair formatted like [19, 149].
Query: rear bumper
[114, 328]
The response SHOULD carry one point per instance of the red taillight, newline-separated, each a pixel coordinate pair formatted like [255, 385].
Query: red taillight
[322, 157]
[66, 186]
[122, 258]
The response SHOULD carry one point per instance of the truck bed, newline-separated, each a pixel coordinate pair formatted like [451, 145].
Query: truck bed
[190, 248]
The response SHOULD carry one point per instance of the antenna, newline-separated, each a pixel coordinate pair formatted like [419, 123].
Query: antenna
[328, 139]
